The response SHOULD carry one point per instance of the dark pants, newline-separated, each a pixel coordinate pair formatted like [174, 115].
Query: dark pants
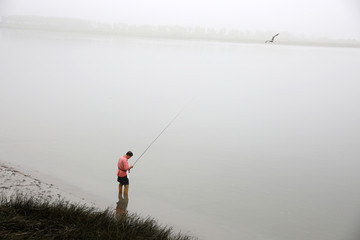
[123, 180]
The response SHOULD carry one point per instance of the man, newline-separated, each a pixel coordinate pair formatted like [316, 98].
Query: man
[123, 167]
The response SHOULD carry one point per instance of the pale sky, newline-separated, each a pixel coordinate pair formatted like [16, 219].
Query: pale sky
[328, 18]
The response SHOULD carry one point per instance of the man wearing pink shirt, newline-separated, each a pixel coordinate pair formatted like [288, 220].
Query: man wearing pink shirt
[123, 167]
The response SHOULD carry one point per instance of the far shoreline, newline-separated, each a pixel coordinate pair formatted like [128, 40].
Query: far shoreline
[84, 28]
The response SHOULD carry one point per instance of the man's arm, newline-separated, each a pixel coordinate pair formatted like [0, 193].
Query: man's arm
[124, 166]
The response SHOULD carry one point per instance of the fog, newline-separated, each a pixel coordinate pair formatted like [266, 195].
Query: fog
[326, 18]
[265, 148]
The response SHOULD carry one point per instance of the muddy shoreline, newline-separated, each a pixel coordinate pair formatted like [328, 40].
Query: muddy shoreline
[20, 181]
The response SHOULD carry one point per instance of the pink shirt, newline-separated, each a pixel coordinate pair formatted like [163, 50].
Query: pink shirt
[123, 165]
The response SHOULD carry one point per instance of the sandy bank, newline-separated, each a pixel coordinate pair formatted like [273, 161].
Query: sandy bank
[15, 180]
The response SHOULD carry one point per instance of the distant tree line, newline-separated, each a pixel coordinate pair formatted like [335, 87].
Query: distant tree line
[162, 31]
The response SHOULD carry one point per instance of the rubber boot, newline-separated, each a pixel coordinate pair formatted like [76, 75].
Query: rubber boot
[120, 191]
[126, 190]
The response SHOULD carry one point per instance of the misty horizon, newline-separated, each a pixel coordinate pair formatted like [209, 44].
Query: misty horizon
[331, 19]
[167, 31]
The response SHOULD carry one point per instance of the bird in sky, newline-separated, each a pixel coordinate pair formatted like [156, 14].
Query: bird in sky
[273, 38]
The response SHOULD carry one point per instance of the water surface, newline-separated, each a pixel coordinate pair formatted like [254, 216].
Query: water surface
[265, 148]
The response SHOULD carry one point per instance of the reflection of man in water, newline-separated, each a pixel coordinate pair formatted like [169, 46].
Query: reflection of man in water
[121, 206]
[123, 167]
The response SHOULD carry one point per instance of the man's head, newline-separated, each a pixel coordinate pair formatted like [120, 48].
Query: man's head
[129, 154]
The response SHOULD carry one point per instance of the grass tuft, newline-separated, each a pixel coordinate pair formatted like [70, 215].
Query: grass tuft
[23, 217]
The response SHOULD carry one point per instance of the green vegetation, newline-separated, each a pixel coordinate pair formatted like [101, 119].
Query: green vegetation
[24, 218]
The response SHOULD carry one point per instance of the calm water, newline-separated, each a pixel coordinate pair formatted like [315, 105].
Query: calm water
[267, 146]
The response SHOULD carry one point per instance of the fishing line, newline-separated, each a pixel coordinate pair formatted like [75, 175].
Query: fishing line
[177, 115]
[157, 137]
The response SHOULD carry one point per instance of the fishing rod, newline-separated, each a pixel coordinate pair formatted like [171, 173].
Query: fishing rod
[159, 135]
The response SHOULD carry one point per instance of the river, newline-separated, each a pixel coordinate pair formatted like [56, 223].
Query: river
[266, 146]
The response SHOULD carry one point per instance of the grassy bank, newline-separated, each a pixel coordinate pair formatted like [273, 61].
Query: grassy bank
[23, 218]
